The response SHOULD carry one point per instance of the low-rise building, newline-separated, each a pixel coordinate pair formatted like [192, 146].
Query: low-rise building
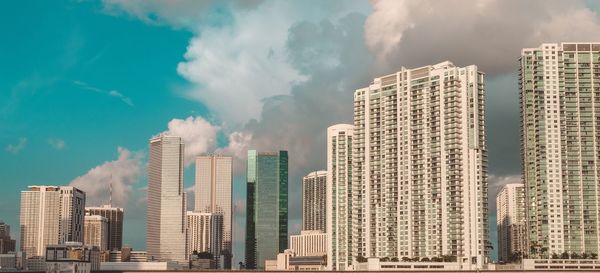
[375, 264]
[561, 264]
[35, 263]
[136, 266]
[12, 261]
[72, 257]
[127, 254]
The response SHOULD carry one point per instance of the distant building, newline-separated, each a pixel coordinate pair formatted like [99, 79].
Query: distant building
[314, 210]
[205, 232]
[7, 244]
[127, 254]
[419, 166]
[511, 222]
[135, 266]
[12, 261]
[36, 263]
[559, 90]
[50, 215]
[267, 207]
[339, 196]
[72, 257]
[214, 184]
[96, 231]
[309, 243]
[166, 234]
[114, 215]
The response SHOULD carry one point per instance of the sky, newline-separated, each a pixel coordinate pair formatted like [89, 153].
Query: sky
[85, 84]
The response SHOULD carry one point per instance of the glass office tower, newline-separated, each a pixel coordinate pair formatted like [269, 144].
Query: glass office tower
[267, 208]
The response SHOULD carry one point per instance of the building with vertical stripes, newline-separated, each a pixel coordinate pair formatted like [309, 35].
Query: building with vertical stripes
[314, 210]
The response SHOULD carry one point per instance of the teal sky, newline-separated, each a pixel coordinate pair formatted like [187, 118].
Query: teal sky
[85, 84]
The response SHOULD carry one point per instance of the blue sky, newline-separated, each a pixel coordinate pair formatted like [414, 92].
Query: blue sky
[85, 84]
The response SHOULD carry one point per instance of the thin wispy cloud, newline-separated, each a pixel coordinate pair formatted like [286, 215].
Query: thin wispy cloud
[112, 93]
[56, 143]
[16, 148]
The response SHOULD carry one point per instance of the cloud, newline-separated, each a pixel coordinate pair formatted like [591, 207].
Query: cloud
[16, 148]
[112, 93]
[123, 173]
[489, 33]
[56, 143]
[199, 136]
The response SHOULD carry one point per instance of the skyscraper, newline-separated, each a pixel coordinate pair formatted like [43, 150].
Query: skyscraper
[205, 233]
[96, 231]
[114, 216]
[213, 195]
[166, 236]
[510, 218]
[559, 91]
[267, 210]
[314, 212]
[339, 196]
[7, 244]
[420, 165]
[50, 215]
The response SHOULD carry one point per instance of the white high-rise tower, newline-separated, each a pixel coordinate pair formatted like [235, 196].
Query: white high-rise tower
[420, 166]
[166, 235]
[339, 196]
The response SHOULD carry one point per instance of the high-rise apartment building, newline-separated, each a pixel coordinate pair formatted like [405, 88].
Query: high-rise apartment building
[266, 206]
[510, 218]
[205, 233]
[559, 91]
[114, 215]
[96, 231]
[50, 215]
[166, 235]
[420, 166]
[314, 212]
[7, 244]
[214, 180]
[339, 196]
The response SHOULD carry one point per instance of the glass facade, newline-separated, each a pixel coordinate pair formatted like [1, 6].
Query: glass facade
[267, 211]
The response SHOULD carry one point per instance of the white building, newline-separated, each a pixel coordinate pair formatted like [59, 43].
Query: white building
[314, 210]
[115, 216]
[339, 196]
[309, 243]
[205, 231]
[510, 220]
[559, 87]
[166, 235]
[50, 215]
[214, 180]
[420, 166]
[96, 231]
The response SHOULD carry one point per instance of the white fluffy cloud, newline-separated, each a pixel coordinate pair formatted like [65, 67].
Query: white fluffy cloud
[123, 173]
[489, 33]
[16, 148]
[496, 182]
[199, 136]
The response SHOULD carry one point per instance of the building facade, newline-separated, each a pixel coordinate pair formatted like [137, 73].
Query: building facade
[114, 215]
[205, 233]
[214, 180]
[50, 215]
[420, 166]
[96, 231]
[339, 196]
[166, 235]
[314, 211]
[510, 219]
[7, 244]
[559, 91]
[309, 243]
[266, 206]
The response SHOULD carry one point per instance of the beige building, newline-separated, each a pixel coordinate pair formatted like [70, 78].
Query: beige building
[559, 91]
[50, 215]
[96, 231]
[309, 243]
[205, 233]
[510, 219]
[114, 216]
[166, 234]
[420, 166]
[214, 180]
[339, 196]
[314, 210]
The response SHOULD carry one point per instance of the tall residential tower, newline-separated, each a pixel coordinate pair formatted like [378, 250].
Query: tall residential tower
[339, 196]
[266, 206]
[214, 180]
[560, 120]
[420, 167]
[510, 219]
[166, 235]
[314, 212]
